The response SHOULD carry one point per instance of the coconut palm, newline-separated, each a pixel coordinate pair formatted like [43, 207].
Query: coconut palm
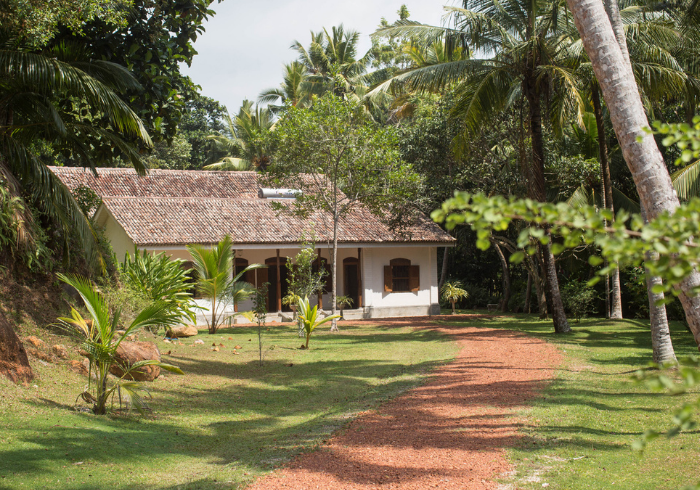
[453, 291]
[216, 281]
[332, 63]
[100, 342]
[293, 90]
[309, 318]
[528, 47]
[38, 96]
[246, 143]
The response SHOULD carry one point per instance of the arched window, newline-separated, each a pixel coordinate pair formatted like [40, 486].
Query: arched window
[401, 276]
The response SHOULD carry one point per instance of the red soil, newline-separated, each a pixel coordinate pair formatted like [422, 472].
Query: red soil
[450, 433]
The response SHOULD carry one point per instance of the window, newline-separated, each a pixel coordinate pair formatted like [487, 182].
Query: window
[401, 276]
[239, 265]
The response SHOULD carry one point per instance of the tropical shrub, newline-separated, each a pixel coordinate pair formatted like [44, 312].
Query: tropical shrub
[452, 291]
[343, 302]
[160, 278]
[309, 318]
[100, 342]
[579, 299]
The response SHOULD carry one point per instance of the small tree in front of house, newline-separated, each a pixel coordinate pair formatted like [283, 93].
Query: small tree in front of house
[302, 280]
[260, 312]
[337, 157]
[453, 291]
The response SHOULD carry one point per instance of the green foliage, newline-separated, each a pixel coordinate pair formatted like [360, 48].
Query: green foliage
[87, 199]
[343, 301]
[216, 281]
[453, 292]
[246, 145]
[201, 117]
[101, 343]
[20, 237]
[579, 299]
[625, 242]
[310, 320]
[37, 21]
[159, 278]
[302, 281]
[175, 155]
[159, 37]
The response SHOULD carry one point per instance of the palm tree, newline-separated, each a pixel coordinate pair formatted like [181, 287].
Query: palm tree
[293, 90]
[453, 291]
[101, 342]
[38, 93]
[619, 88]
[216, 281]
[529, 47]
[331, 62]
[246, 146]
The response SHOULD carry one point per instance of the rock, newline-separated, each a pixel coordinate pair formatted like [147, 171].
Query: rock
[38, 354]
[130, 338]
[182, 331]
[120, 332]
[80, 367]
[199, 341]
[35, 341]
[129, 353]
[60, 351]
[237, 347]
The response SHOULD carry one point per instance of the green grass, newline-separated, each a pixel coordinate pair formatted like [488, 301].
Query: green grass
[224, 423]
[579, 430]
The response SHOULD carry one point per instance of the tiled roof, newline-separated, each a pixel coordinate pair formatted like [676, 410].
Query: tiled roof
[112, 182]
[183, 207]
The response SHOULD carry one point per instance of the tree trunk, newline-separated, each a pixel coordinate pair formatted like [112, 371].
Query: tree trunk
[334, 269]
[443, 273]
[13, 358]
[558, 314]
[506, 278]
[528, 292]
[615, 310]
[612, 10]
[536, 189]
[661, 344]
[643, 158]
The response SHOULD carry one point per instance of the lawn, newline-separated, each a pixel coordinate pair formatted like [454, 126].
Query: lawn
[579, 431]
[224, 423]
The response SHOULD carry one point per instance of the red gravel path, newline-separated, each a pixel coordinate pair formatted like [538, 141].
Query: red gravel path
[450, 433]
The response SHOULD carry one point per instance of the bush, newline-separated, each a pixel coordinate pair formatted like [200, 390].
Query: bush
[158, 278]
[579, 299]
[478, 297]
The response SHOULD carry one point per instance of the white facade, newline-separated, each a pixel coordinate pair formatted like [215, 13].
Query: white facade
[376, 302]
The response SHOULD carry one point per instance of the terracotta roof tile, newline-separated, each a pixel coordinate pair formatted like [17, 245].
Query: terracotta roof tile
[181, 207]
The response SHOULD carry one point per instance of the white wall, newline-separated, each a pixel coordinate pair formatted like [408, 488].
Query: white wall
[121, 243]
[373, 262]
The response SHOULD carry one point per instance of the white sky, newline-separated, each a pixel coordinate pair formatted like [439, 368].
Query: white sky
[247, 42]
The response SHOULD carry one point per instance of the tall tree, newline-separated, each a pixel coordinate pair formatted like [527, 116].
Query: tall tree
[338, 159]
[246, 143]
[641, 153]
[529, 58]
[294, 89]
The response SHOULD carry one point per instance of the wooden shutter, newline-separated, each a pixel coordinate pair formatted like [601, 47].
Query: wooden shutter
[388, 279]
[414, 278]
[249, 277]
[329, 277]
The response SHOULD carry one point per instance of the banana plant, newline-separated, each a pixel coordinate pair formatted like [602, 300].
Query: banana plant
[100, 342]
[309, 318]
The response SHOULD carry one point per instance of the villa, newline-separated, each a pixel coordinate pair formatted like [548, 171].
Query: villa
[387, 274]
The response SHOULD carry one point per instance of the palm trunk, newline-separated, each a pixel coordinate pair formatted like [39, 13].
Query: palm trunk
[443, 273]
[661, 344]
[615, 309]
[506, 278]
[528, 293]
[536, 188]
[453, 307]
[643, 158]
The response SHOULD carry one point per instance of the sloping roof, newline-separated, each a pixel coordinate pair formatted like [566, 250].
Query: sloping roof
[182, 207]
